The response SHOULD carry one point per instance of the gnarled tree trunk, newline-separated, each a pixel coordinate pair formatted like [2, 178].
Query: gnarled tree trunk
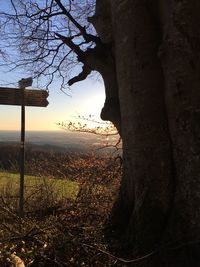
[155, 45]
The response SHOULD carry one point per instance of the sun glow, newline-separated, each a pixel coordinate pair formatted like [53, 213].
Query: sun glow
[87, 99]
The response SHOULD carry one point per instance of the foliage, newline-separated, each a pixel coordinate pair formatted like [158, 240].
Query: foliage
[58, 165]
[71, 234]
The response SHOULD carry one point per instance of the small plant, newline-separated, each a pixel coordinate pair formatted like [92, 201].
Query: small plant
[42, 197]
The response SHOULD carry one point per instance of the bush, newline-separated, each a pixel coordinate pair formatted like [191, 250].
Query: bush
[62, 232]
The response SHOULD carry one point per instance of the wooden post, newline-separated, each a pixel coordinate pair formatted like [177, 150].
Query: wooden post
[22, 85]
[22, 158]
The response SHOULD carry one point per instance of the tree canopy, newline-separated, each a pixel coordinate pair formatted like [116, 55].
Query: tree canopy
[49, 38]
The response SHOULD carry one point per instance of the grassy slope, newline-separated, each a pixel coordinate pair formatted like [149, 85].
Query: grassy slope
[63, 188]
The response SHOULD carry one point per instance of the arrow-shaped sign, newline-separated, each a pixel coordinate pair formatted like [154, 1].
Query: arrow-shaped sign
[27, 97]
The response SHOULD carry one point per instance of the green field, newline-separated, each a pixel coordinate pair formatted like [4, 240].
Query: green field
[65, 207]
[9, 184]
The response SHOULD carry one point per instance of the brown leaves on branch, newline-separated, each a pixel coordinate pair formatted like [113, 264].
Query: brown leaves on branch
[89, 125]
[73, 237]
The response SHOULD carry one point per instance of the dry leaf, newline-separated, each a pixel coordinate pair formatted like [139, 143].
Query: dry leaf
[17, 261]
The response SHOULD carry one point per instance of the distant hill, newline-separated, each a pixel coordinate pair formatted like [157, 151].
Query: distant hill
[57, 141]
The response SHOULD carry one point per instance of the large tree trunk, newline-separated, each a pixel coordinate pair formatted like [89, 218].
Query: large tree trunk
[157, 72]
[147, 184]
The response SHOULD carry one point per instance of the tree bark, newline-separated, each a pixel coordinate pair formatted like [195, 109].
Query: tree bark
[156, 52]
[147, 187]
[107, 67]
[181, 66]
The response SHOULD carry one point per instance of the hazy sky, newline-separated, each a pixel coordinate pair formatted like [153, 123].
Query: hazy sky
[86, 98]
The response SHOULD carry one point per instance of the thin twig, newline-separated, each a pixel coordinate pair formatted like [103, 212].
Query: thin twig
[121, 259]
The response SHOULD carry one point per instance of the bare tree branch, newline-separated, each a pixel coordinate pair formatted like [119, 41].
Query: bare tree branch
[70, 44]
[48, 38]
[88, 37]
[82, 76]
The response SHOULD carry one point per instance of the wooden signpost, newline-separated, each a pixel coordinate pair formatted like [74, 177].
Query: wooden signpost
[14, 96]
[23, 97]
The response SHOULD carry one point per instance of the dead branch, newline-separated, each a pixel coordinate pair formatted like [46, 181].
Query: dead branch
[29, 235]
[120, 259]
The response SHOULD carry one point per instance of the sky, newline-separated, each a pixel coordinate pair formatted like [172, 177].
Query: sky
[86, 98]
